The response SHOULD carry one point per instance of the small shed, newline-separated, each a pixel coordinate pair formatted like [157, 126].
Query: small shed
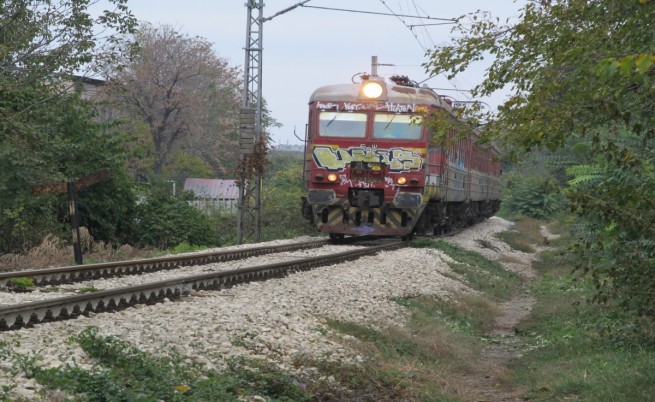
[213, 194]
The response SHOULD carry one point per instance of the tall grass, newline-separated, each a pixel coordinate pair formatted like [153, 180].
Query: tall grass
[580, 350]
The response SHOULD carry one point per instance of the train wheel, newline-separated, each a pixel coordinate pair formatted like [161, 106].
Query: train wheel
[409, 237]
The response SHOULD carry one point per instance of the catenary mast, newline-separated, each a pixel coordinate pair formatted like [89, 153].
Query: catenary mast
[250, 129]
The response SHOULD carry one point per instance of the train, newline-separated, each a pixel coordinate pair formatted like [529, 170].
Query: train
[371, 167]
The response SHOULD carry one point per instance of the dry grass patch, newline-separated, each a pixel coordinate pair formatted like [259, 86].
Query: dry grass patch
[423, 360]
[51, 252]
[55, 252]
[510, 259]
[524, 236]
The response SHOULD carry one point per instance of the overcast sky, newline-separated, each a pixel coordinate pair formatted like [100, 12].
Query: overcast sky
[308, 47]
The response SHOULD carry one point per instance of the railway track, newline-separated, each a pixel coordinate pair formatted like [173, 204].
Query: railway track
[78, 273]
[26, 314]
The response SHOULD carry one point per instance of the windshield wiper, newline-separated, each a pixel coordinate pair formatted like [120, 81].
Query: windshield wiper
[330, 122]
[387, 126]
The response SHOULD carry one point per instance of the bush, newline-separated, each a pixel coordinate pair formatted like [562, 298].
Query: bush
[283, 190]
[165, 220]
[532, 196]
[107, 209]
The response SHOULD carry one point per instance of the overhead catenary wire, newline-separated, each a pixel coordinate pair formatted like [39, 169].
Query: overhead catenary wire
[428, 25]
[448, 20]
[401, 16]
[419, 10]
[286, 10]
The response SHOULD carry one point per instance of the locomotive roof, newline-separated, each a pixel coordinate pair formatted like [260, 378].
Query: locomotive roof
[395, 94]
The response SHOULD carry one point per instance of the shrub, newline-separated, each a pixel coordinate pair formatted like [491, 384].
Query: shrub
[533, 196]
[165, 220]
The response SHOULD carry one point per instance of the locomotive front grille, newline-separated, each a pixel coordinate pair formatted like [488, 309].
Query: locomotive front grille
[365, 198]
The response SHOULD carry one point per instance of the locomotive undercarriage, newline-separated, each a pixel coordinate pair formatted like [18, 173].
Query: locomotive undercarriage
[344, 218]
[386, 220]
[439, 217]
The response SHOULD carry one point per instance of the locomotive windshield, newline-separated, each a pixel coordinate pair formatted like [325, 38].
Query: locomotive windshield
[338, 124]
[397, 126]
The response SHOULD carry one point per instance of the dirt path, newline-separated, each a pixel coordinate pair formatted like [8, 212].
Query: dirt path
[485, 382]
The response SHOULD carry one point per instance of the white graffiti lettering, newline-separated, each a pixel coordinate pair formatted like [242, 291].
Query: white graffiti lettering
[355, 107]
[344, 180]
[327, 106]
[399, 107]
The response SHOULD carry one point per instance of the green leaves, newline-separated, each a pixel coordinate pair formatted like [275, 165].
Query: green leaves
[640, 64]
[49, 134]
[166, 220]
[584, 174]
[579, 72]
[562, 61]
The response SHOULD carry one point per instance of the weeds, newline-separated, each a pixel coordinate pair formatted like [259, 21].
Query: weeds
[56, 252]
[185, 247]
[21, 284]
[579, 350]
[481, 273]
[419, 361]
[124, 373]
[525, 235]
[516, 241]
[89, 289]
[51, 251]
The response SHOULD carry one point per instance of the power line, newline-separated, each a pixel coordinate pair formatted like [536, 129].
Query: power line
[428, 25]
[446, 21]
[425, 31]
[429, 41]
[426, 36]
[450, 89]
[449, 20]
[286, 10]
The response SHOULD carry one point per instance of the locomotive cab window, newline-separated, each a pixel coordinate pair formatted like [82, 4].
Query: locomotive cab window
[339, 124]
[397, 126]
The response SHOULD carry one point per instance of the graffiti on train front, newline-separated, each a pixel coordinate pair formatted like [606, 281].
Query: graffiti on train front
[398, 159]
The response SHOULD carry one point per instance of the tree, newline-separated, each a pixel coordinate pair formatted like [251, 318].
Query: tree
[572, 66]
[580, 72]
[44, 43]
[187, 96]
[281, 197]
[47, 133]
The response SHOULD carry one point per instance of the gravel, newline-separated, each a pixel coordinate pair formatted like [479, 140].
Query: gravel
[278, 320]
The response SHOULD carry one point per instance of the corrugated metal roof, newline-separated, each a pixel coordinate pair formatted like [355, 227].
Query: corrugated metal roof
[212, 188]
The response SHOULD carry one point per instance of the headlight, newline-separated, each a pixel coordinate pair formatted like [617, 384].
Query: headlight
[332, 177]
[401, 180]
[372, 89]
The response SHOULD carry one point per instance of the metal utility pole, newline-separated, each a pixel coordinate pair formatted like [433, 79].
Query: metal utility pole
[250, 128]
[251, 141]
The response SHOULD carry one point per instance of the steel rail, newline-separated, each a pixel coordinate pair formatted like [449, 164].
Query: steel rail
[21, 315]
[77, 273]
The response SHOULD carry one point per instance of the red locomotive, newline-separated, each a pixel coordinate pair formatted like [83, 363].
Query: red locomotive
[372, 168]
